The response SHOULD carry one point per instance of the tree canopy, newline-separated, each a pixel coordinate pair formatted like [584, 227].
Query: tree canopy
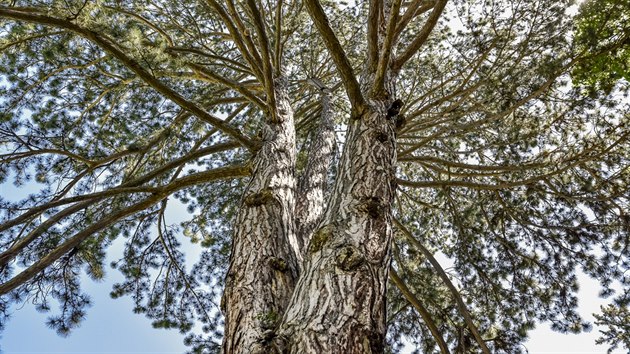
[512, 154]
[602, 31]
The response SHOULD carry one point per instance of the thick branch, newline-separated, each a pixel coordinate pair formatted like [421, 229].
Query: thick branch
[159, 194]
[386, 50]
[74, 241]
[235, 32]
[6, 158]
[17, 247]
[277, 59]
[372, 33]
[247, 37]
[412, 11]
[132, 186]
[422, 36]
[312, 184]
[109, 46]
[263, 42]
[338, 55]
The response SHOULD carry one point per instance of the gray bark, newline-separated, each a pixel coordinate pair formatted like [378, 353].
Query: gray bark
[339, 302]
[313, 181]
[263, 265]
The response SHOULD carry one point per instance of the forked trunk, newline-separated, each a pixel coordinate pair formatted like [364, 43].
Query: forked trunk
[339, 301]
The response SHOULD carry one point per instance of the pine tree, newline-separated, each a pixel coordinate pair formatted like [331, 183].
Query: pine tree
[358, 174]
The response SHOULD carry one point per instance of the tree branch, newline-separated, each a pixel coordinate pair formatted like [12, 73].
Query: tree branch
[422, 36]
[372, 33]
[131, 186]
[386, 50]
[413, 10]
[109, 46]
[277, 59]
[312, 182]
[158, 194]
[338, 55]
[234, 85]
[241, 43]
[463, 309]
[461, 165]
[227, 62]
[268, 70]
[247, 36]
[45, 261]
[424, 313]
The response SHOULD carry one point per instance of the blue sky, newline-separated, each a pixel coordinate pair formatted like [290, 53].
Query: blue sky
[110, 327]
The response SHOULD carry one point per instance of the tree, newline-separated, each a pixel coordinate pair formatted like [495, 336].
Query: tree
[333, 156]
[602, 25]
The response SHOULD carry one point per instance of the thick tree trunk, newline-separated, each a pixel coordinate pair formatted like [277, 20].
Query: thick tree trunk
[313, 181]
[263, 265]
[339, 301]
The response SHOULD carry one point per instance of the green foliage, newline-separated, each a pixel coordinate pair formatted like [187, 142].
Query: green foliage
[603, 36]
[617, 318]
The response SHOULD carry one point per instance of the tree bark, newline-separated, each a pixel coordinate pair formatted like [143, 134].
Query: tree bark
[313, 181]
[263, 265]
[339, 302]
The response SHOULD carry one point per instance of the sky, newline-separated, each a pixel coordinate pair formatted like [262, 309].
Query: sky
[110, 325]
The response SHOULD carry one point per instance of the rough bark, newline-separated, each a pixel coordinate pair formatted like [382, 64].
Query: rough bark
[338, 305]
[312, 184]
[263, 265]
[339, 302]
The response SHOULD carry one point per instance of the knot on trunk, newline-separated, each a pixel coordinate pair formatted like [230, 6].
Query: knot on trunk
[393, 183]
[400, 122]
[278, 264]
[372, 206]
[349, 258]
[374, 342]
[320, 238]
[260, 198]
[382, 137]
[269, 322]
[394, 108]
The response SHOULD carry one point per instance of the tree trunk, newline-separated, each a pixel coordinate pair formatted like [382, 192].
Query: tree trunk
[313, 182]
[339, 301]
[263, 266]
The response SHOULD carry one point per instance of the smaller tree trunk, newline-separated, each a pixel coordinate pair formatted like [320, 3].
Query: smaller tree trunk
[313, 182]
